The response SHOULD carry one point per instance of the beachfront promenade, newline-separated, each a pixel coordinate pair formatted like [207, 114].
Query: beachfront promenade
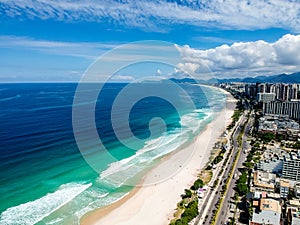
[208, 204]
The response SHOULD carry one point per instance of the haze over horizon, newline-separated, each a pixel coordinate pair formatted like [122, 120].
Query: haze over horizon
[53, 40]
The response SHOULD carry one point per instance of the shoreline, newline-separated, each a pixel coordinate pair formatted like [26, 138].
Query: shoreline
[142, 201]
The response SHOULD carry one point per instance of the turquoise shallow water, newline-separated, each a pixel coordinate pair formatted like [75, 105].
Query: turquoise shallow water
[44, 178]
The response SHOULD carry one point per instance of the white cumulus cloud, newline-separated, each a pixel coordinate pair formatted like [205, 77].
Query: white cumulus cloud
[244, 58]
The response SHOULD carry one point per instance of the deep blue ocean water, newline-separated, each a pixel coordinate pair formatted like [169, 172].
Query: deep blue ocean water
[45, 180]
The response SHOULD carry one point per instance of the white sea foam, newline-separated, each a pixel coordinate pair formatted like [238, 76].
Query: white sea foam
[55, 221]
[121, 171]
[126, 163]
[100, 201]
[91, 196]
[34, 211]
[90, 199]
[192, 120]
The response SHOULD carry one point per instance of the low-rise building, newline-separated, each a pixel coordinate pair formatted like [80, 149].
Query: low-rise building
[279, 125]
[273, 165]
[275, 196]
[293, 213]
[272, 160]
[291, 167]
[263, 181]
[267, 126]
[268, 212]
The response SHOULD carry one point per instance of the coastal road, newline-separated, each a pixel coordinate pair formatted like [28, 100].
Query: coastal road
[213, 194]
[227, 205]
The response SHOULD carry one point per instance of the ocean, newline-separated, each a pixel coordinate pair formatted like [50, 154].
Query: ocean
[45, 179]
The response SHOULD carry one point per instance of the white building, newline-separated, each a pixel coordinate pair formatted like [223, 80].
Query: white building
[273, 165]
[266, 97]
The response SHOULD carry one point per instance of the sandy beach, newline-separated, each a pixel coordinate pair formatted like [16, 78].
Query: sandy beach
[155, 204]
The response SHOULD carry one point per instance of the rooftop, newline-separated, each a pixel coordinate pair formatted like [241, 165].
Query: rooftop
[266, 217]
[263, 179]
[284, 183]
[270, 205]
[294, 203]
[276, 124]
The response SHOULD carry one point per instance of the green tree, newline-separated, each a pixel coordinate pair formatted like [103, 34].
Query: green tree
[268, 137]
[249, 165]
[242, 189]
[197, 184]
[190, 212]
[216, 183]
[188, 193]
[297, 145]
[243, 178]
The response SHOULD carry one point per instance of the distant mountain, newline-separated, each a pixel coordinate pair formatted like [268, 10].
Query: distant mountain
[280, 78]
[185, 80]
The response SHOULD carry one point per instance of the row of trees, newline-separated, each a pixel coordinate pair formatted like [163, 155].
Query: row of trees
[253, 157]
[189, 204]
[190, 212]
[219, 157]
[241, 184]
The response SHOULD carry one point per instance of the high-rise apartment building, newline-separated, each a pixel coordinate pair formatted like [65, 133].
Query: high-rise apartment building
[266, 97]
[290, 108]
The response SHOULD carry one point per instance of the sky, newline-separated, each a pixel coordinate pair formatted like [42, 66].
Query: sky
[58, 40]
